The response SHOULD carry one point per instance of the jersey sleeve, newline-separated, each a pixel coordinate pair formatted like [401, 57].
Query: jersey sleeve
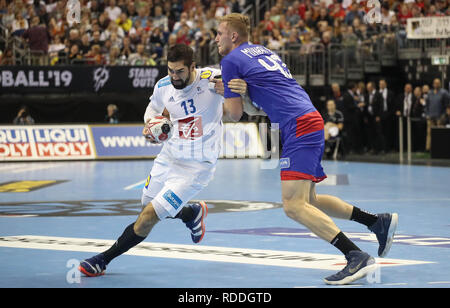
[230, 70]
[155, 106]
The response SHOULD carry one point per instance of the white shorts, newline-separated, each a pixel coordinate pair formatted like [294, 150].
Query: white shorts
[173, 182]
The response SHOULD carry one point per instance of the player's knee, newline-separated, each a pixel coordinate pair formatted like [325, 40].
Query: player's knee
[293, 207]
[289, 210]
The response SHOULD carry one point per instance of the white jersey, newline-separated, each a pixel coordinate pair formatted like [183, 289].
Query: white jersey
[196, 113]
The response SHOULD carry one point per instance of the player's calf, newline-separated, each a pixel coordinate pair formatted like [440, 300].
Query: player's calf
[131, 236]
[311, 217]
[146, 220]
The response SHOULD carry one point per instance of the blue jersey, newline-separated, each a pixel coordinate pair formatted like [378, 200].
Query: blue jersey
[270, 84]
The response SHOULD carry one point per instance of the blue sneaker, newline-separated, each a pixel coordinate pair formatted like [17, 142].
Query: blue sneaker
[384, 228]
[93, 267]
[197, 225]
[359, 264]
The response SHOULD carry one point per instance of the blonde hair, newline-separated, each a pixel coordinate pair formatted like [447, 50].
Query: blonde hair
[239, 23]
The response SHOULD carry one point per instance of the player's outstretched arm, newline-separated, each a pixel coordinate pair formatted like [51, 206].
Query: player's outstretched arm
[240, 86]
[232, 108]
[218, 84]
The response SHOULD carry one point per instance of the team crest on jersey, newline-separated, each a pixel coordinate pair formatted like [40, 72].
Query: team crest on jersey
[190, 128]
[199, 90]
[205, 74]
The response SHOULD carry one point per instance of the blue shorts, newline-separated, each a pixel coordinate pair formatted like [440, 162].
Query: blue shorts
[303, 145]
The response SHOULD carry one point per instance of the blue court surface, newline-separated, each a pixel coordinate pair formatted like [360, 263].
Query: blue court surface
[54, 214]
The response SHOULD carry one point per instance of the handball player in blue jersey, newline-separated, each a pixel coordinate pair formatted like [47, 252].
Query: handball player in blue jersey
[270, 85]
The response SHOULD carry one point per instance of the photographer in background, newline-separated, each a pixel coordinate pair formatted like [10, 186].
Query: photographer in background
[334, 124]
[23, 117]
[112, 114]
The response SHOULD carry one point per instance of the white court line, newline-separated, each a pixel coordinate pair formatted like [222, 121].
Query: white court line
[293, 259]
[135, 184]
[7, 167]
[398, 200]
[17, 168]
[18, 216]
[34, 168]
[439, 282]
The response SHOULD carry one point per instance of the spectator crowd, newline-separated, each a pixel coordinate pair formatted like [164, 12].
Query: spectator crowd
[111, 32]
[137, 32]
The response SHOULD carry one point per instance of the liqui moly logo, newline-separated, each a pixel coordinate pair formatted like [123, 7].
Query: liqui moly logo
[45, 142]
[14, 142]
[62, 142]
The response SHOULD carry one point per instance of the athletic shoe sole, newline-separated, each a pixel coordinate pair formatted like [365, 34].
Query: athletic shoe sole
[390, 236]
[85, 272]
[204, 214]
[356, 276]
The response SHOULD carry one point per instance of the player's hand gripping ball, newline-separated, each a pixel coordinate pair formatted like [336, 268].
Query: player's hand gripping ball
[158, 129]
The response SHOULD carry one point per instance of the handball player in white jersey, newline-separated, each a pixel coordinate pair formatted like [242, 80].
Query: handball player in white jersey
[187, 161]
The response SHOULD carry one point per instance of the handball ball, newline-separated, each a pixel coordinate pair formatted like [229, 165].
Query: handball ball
[159, 129]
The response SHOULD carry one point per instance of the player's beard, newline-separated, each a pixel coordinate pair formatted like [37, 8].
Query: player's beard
[180, 83]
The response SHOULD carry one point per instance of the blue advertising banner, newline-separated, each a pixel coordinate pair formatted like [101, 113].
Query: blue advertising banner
[80, 142]
[122, 141]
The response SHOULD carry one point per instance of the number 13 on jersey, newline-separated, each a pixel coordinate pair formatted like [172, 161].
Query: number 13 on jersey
[188, 106]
